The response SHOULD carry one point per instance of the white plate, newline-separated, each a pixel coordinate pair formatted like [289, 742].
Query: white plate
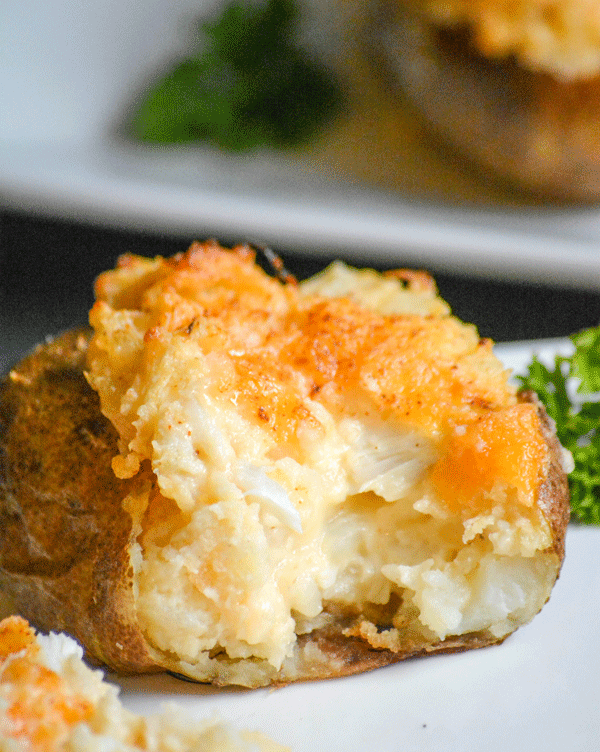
[538, 691]
[372, 189]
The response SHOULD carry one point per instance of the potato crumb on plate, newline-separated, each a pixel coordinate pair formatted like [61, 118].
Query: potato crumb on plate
[50, 701]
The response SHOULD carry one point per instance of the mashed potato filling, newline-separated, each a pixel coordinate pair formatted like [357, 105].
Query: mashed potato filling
[343, 444]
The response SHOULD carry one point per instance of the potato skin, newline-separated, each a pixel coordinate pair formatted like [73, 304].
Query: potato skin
[534, 132]
[65, 538]
[554, 496]
[64, 535]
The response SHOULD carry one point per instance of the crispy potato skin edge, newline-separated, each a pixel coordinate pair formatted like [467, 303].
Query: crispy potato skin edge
[64, 536]
[554, 498]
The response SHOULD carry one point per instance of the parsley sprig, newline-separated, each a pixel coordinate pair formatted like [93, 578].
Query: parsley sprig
[576, 412]
[248, 83]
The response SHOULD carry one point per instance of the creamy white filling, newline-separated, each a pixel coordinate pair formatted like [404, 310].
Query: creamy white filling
[270, 541]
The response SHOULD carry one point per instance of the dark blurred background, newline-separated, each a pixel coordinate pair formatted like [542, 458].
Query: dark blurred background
[48, 265]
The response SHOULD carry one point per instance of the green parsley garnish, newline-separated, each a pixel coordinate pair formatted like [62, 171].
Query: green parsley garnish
[576, 412]
[247, 84]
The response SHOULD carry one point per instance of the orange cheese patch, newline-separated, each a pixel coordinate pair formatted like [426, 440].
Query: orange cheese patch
[15, 635]
[504, 447]
[39, 710]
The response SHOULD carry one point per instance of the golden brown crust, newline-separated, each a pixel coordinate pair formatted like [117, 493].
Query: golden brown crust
[63, 532]
[64, 536]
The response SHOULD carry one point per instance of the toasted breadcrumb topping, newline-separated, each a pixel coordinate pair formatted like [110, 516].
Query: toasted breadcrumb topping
[276, 350]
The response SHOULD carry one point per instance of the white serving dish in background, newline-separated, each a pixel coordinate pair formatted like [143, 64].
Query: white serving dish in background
[67, 73]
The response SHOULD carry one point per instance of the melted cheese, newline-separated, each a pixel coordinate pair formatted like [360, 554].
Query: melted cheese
[504, 448]
[302, 447]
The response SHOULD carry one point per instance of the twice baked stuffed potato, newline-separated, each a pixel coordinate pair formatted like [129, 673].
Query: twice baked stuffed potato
[251, 482]
[512, 86]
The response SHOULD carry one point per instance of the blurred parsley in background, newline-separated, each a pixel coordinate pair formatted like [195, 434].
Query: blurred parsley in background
[248, 84]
